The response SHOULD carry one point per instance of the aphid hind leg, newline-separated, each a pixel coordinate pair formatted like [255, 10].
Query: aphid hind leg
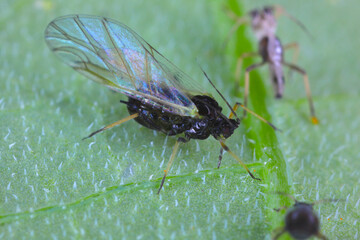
[247, 78]
[175, 150]
[295, 46]
[239, 64]
[113, 125]
[226, 148]
[280, 208]
[307, 89]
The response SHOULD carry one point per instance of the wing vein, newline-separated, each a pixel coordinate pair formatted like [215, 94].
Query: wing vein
[121, 55]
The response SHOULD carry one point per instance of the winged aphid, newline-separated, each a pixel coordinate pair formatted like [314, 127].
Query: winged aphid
[160, 96]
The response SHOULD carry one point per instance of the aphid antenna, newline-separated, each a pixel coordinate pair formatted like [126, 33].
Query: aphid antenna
[279, 10]
[238, 22]
[287, 195]
[227, 103]
[313, 203]
[239, 104]
[327, 201]
[259, 117]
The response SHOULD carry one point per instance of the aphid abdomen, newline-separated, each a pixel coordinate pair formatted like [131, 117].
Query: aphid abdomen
[278, 80]
[153, 118]
[271, 51]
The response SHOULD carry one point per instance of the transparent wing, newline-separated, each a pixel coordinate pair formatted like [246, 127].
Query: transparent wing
[110, 53]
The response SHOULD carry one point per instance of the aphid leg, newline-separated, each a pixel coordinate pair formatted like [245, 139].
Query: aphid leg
[226, 148]
[239, 64]
[287, 195]
[295, 46]
[307, 88]
[113, 125]
[280, 208]
[321, 236]
[238, 22]
[175, 150]
[247, 72]
[220, 157]
[236, 106]
[231, 115]
[279, 233]
[231, 13]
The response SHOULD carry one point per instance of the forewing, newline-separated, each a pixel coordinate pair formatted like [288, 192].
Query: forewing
[110, 53]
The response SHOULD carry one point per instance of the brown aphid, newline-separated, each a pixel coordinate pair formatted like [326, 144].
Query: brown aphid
[270, 49]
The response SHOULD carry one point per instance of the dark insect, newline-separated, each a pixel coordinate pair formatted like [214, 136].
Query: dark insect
[301, 222]
[160, 96]
[263, 23]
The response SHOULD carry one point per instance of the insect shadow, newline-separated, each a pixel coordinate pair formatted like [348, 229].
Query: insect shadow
[301, 222]
[160, 95]
[270, 49]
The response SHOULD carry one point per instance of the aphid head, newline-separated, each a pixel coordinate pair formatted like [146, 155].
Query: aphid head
[263, 22]
[225, 128]
[301, 221]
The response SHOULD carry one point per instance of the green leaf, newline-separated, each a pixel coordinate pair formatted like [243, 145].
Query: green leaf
[53, 185]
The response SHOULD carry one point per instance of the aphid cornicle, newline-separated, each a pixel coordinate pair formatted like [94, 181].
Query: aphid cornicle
[160, 96]
[270, 49]
[301, 222]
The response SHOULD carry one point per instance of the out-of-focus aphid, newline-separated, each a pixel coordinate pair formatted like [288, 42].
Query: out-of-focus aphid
[301, 222]
[263, 23]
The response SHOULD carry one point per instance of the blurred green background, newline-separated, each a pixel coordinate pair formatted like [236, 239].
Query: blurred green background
[55, 186]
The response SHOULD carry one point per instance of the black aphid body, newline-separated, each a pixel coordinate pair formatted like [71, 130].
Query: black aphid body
[161, 96]
[301, 221]
[211, 120]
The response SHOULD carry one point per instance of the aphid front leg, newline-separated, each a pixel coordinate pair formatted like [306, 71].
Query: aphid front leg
[295, 46]
[175, 150]
[239, 64]
[226, 148]
[247, 73]
[238, 104]
[307, 89]
[280, 208]
[231, 115]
